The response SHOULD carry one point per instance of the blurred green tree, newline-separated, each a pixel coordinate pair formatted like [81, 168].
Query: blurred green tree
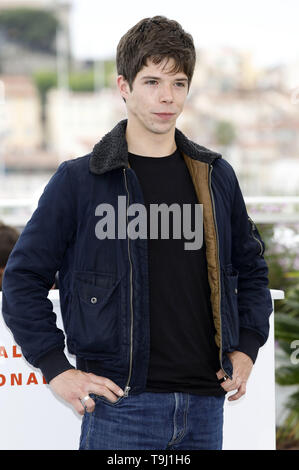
[30, 27]
[280, 259]
[287, 334]
[225, 133]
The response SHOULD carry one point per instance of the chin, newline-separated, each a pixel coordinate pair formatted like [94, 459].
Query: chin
[160, 128]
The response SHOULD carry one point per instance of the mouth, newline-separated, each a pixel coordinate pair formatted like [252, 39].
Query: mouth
[164, 115]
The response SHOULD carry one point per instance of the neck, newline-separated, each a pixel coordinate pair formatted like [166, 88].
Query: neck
[149, 144]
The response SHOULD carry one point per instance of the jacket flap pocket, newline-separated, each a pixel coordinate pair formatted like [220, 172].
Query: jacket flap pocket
[95, 289]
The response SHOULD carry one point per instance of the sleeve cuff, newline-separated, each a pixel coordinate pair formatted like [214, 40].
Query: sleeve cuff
[249, 343]
[54, 363]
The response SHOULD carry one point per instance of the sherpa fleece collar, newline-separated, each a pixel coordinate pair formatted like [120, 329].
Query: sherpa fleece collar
[112, 150]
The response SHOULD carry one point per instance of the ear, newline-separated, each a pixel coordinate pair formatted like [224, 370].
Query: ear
[123, 87]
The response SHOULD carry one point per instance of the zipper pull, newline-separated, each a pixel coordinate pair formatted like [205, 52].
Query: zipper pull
[126, 391]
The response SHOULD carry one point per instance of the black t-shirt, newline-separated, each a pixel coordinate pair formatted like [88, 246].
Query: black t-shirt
[183, 353]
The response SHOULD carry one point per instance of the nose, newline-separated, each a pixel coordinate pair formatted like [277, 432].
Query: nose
[166, 94]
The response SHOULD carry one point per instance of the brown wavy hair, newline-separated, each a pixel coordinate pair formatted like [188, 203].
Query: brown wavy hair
[155, 38]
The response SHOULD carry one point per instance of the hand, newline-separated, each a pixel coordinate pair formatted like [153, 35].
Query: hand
[73, 385]
[242, 365]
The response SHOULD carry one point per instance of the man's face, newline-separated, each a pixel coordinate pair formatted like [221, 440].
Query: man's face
[155, 91]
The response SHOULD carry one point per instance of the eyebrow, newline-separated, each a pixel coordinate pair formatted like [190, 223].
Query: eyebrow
[159, 78]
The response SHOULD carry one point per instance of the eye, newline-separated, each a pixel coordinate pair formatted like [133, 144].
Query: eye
[151, 81]
[154, 82]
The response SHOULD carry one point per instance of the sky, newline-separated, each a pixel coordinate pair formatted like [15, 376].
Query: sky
[268, 28]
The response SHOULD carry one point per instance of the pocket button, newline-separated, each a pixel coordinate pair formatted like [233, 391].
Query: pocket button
[93, 300]
[236, 290]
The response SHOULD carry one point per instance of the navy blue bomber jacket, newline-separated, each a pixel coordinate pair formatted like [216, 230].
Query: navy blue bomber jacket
[103, 284]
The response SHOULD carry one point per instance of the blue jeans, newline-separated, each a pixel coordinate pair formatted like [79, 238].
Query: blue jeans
[164, 421]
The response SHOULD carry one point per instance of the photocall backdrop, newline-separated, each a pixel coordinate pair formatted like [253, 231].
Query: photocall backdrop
[33, 418]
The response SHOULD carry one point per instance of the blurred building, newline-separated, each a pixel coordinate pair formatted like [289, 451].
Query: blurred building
[229, 93]
[266, 133]
[21, 113]
[225, 68]
[76, 121]
[20, 125]
[18, 59]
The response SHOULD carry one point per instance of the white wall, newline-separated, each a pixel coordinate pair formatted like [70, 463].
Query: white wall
[249, 423]
[33, 418]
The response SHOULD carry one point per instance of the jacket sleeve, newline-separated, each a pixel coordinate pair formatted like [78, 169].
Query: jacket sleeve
[30, 274]
[254, 297]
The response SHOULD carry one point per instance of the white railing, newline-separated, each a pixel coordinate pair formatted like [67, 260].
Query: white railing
[267, 209]
[273, 209]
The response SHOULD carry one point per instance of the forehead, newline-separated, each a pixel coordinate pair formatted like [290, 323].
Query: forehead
[161, 69]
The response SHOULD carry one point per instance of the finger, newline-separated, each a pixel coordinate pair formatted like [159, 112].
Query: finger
[109, 384]
[233, 384]
[89, 405]
[241, 391]
[224, 380]
[222, 377]
[228, 385]
[77, 405]
[102, 390]
[220, 374]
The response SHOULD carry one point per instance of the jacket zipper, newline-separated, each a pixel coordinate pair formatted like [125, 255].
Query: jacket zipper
[217, 238]
[255, 238]
[127, 388]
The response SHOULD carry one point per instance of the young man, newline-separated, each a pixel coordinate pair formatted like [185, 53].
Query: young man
[160, 332]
